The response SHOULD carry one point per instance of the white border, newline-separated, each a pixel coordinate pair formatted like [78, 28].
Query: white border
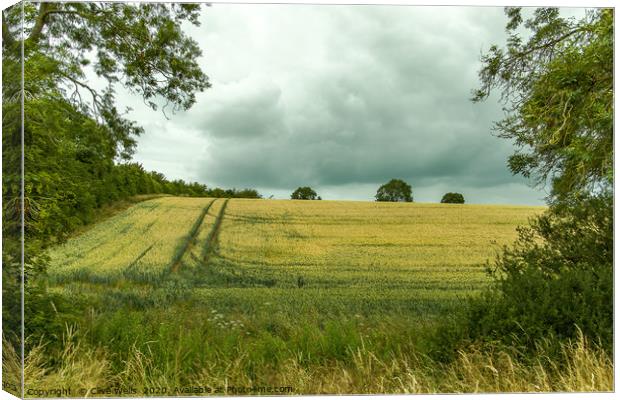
[484, 3]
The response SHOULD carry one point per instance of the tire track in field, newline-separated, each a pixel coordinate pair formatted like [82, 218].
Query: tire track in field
[209, 248]
[191, 238]
[127, 271]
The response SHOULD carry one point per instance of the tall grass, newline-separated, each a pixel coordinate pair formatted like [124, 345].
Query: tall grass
[377, 280]
[582, 368]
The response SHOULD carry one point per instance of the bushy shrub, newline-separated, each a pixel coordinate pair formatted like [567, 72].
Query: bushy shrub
[555, 280]
[304, 193]
[395, 190]
[454, 198]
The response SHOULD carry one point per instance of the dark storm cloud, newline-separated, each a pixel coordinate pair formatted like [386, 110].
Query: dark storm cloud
[249, 113]
[345, 97]
[370, 93]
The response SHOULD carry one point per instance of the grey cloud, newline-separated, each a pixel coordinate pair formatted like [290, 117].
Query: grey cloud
[347, 97]
[248, 112]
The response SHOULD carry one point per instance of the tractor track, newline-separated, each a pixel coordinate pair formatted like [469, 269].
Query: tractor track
[209, 248]
[176, 262]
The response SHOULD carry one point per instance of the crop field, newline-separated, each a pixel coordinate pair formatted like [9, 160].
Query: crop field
[344, 245]
[254, 285]
[342, 257]
[357, 244]
[139, 244]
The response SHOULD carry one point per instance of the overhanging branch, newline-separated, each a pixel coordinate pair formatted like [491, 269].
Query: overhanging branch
[7, 37]
[39, 23]
[96, 97]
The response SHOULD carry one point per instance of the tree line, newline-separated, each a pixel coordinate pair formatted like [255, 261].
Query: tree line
[396, 190]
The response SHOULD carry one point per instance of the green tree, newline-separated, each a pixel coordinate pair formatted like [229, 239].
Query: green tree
[76, 142]
[248, 194]
[555, 279]
[557, 90]
[455, 198]
[557, 87]
[304, 193]
[395, 190]
[140, 46]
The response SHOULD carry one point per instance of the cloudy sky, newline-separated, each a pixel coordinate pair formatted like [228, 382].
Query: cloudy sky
[340, 98]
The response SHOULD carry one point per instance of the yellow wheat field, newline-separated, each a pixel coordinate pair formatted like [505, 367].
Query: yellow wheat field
[138, 243]
[381, 242]
[330, 296]
[361, 256]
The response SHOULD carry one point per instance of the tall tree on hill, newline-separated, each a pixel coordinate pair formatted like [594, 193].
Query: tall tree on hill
[304, 193]
[454, 198]
[395, 190]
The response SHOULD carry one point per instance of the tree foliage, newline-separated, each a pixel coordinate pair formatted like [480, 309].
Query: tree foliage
[304, 193]
[395, 190]
[77, 144]
[455, 198]
[140, 46]
[557, 89]
[549, 284]
[233, 193]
